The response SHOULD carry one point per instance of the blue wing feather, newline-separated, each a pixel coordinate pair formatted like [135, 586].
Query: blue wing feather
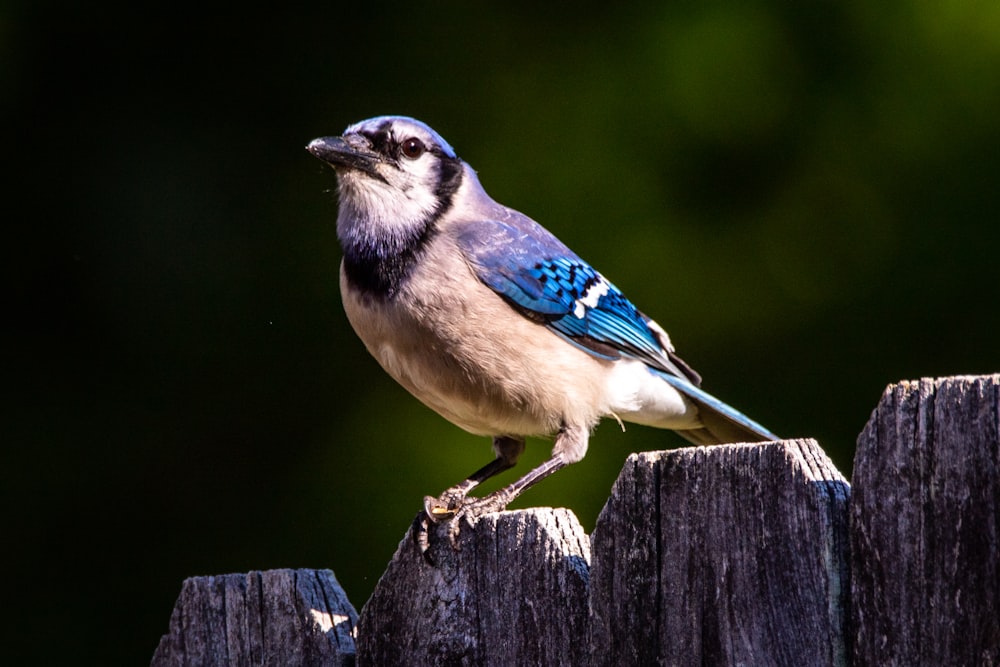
[549, 283]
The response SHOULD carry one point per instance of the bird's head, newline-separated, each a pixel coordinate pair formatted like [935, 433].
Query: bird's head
[396, 177]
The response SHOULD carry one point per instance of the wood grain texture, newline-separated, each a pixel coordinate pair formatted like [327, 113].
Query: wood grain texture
[513, 593]
[729, 555]
[275, 617]
[733, 554]
[925, 520]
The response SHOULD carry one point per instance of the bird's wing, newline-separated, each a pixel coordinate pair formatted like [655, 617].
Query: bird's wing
[545, 281]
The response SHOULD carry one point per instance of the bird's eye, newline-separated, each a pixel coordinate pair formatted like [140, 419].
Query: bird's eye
[413, 148]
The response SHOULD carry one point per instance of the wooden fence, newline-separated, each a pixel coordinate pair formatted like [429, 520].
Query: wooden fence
[729, 555]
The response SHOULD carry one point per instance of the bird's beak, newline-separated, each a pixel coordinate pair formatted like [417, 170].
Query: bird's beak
[351, 151]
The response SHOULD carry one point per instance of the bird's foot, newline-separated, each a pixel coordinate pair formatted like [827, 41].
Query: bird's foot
[473, 508]
[454, 507]
[446, 506]
[449, 506]
[424, 525]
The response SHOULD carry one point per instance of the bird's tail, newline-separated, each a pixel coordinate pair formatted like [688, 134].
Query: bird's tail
[721, 423]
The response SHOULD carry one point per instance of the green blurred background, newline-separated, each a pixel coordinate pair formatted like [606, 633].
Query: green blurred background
[804, 194]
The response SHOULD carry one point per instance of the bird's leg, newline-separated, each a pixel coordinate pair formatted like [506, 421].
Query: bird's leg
[569, 447]
[449, 504]
[446, 506]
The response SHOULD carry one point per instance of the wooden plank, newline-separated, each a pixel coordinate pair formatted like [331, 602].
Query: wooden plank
[926, 524]
[513, 593]
[275, 617]
[733, 554]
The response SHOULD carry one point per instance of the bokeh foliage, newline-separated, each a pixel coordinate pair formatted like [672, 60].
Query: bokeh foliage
[804, 194]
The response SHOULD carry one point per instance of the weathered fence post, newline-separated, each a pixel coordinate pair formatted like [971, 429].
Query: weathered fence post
[276, 617]
[727, 555]
[735, 554]
[513, 593]
[925, 518]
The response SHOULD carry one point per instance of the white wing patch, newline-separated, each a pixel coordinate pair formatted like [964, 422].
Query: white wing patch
[590, 298]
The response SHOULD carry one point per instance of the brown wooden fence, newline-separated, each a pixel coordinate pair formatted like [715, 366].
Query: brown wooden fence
[730, 555]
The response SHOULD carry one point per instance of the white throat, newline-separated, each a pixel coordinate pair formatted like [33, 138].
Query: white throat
[377, 214]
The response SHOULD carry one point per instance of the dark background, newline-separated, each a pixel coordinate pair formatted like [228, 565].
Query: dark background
[804, 194]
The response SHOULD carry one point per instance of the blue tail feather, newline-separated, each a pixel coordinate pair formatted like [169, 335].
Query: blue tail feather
[706, 399]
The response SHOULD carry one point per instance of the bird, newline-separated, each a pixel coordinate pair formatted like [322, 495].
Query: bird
[493, 322]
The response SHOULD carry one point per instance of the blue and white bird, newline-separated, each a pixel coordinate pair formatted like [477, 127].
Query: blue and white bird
[490, 320]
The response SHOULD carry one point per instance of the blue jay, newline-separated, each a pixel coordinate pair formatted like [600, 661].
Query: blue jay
[490, 320]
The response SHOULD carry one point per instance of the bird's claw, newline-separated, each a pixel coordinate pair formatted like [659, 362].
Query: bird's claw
[443, 508]
[423, 524]
[454, 510]
[421, 536]
[450, 507]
